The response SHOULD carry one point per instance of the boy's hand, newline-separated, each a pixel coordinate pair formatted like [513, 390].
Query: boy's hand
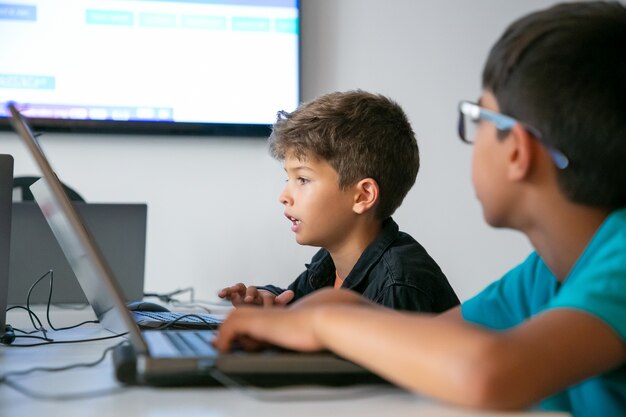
[283, 298]
[240, 295]
[252, 328]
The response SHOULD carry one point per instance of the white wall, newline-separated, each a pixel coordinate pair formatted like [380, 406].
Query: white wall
[213, 214]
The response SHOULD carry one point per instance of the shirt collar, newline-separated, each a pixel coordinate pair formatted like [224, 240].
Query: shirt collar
[323, 270]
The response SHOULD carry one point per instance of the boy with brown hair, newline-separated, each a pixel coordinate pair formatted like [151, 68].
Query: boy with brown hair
[549, 134]
[351, 158]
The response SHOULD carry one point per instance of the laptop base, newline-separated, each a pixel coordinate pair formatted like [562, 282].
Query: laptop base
[125, 365]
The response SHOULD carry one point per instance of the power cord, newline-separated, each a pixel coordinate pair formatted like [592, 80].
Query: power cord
[30, 290]
[7, 377]
[47, 340]
[172, 323]
[38, 325]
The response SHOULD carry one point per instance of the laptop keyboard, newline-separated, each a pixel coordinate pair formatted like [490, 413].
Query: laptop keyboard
[191, 343]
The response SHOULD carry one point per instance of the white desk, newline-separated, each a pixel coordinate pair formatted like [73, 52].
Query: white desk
[189, 402]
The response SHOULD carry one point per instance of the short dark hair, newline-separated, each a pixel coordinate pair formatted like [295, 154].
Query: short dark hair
[562, 70]
[361, 135]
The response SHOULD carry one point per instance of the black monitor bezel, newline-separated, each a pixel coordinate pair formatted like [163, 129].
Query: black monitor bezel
[160, 128]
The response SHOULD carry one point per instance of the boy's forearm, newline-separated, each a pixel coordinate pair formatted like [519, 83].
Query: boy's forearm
[328, 296]
[449, 359]
[442, 358]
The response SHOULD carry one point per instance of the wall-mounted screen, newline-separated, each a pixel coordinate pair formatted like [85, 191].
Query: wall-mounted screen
[222, 67]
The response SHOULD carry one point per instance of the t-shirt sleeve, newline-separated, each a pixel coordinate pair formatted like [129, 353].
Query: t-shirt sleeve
[510, 300]
[599, 291]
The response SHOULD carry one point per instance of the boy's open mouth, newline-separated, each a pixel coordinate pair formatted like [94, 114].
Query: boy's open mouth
[294, 220]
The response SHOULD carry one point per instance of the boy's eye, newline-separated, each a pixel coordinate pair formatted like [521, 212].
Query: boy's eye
[302, 181]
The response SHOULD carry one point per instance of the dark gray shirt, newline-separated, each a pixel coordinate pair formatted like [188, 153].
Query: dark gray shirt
[394, 270]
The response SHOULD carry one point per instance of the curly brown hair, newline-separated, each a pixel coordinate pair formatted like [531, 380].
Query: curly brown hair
[361, 135]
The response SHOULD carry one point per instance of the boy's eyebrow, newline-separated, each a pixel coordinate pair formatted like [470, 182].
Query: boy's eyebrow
[299, 168]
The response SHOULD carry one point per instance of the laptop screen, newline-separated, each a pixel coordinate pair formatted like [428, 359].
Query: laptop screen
[92, 271]
[6, 195]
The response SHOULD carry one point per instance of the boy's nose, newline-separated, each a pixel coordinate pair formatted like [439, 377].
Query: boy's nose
[284, 198]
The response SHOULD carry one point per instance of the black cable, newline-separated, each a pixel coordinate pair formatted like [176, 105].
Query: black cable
[6, 379]
[40, 328]
[24, 331]
[51, 273]
[38, 325]
[4, 376]
[28, 294]
[65, 342]
[70, 327]
[32, 315]
[47, 339]
[171, 323]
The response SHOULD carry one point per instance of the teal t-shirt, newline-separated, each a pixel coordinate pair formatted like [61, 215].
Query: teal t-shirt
[596, 284]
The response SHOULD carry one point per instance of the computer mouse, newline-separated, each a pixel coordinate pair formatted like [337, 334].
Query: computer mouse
[146, 306]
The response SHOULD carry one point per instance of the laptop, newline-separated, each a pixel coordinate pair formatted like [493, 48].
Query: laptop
[6, 194]
[118, 229]
[167, 357]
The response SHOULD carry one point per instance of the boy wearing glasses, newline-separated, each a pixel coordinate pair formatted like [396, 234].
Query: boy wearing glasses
[340, 194]
[549, 160]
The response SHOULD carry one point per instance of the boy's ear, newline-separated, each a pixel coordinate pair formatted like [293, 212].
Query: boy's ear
[522, 153]
[366, 193]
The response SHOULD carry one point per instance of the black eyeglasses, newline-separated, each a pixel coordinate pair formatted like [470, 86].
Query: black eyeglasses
[471, 113]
